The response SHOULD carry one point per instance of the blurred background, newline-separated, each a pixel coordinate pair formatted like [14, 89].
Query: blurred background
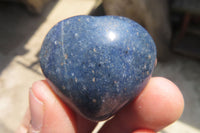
[173, 24]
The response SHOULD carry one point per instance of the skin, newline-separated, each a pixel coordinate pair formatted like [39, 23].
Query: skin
[160, 104]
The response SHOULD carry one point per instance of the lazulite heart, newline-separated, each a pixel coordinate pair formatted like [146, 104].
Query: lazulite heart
[97, 64]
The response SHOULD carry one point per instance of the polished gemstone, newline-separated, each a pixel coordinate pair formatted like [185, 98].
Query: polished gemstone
[96, 65]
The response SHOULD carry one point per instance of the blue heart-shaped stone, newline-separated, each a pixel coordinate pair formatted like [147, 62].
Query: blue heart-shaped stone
[97, 64]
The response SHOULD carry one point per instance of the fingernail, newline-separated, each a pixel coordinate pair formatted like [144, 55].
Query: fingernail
[37, 112]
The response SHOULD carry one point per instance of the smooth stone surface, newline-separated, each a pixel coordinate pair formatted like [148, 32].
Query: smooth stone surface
[97, 64]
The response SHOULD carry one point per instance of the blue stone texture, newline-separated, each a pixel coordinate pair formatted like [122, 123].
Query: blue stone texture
[97, 64]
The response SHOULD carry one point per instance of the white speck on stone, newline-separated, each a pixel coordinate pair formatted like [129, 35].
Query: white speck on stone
[88, 20]
[124, 75]
[145, 34]
[129, 61]
[120, 17]
[76, 35]
[84, 87]
[145, 66]
[123, 66]
[117, 84]
[58, 70]
[69, 61]
[68, 22]
[92, 65]
[56, 42]
[72, 74]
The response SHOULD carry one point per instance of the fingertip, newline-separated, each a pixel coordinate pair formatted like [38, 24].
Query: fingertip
[159, 104]
[171, 99]
[53, 115]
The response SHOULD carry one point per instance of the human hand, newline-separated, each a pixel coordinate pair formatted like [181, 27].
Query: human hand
[159, 104]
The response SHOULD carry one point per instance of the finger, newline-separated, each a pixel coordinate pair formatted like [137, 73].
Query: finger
[159, 104]
[49, 114]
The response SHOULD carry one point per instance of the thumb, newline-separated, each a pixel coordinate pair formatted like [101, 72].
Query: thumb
[48, 114]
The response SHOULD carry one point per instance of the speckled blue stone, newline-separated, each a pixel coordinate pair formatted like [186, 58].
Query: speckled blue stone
[97, 64]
